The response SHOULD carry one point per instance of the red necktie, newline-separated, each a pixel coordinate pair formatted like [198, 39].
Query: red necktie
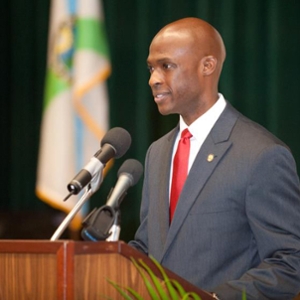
[180, 169]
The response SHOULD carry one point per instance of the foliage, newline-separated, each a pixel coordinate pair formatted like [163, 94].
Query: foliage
[158, 289]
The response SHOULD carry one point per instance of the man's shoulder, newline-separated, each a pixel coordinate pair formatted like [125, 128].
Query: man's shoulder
[253, 131]
[246, 129]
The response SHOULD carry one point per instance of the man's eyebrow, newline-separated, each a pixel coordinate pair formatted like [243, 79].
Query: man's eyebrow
[161, 60]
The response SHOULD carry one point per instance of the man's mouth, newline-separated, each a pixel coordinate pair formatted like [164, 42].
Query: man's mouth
[158, 97]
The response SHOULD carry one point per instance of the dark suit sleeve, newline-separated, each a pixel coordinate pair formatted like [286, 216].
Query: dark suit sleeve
[273, 212]
[140, 241]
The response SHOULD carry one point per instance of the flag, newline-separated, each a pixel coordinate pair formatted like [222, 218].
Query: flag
[75, 110]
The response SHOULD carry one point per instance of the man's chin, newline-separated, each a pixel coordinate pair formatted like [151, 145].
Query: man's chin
[163, 110]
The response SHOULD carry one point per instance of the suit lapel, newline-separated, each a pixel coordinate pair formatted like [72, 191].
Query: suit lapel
[213, 149]
[163, 206]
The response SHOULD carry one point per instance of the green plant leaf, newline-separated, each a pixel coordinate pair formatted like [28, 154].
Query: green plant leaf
[134, 293]
[148, 284]
[178, 286]
[119, 289]
[156, 281]
[167, 281]
[244, 296]
[191, 295]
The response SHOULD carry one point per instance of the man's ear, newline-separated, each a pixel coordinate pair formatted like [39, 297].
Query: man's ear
[208, 65]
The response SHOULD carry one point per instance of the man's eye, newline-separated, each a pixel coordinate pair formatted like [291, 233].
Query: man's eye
[150, 69]
[167, 66]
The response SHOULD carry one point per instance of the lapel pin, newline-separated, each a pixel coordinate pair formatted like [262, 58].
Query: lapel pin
[210, 157]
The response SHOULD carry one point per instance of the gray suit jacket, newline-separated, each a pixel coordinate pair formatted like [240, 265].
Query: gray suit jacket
[237, 222]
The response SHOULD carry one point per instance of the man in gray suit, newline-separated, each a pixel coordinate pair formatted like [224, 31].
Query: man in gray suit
[236, 225]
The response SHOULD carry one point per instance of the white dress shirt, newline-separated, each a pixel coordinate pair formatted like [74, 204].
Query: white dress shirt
[199, 129]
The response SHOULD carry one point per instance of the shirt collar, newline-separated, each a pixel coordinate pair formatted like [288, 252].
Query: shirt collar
[203, 125]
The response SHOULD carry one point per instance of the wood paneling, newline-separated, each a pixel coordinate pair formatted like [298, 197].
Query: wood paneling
[72, 270]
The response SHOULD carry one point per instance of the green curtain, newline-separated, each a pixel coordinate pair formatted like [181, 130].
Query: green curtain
[260, 78]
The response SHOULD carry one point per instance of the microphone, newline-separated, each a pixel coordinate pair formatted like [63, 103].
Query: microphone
[115, 143]
[100, 221]
[128, 175]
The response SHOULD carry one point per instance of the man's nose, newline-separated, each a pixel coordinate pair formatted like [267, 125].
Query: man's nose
[155, 78]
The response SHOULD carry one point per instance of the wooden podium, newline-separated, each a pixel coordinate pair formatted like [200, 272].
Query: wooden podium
[64, 269]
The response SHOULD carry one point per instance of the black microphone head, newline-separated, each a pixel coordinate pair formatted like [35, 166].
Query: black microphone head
[132, 167]
[119, 139]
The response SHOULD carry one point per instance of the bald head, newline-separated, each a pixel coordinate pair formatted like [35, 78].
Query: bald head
[204, 39]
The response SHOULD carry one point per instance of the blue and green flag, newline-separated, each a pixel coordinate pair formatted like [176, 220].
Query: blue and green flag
[76, 111]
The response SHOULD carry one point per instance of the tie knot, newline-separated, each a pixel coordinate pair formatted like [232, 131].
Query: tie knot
[186, 134]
